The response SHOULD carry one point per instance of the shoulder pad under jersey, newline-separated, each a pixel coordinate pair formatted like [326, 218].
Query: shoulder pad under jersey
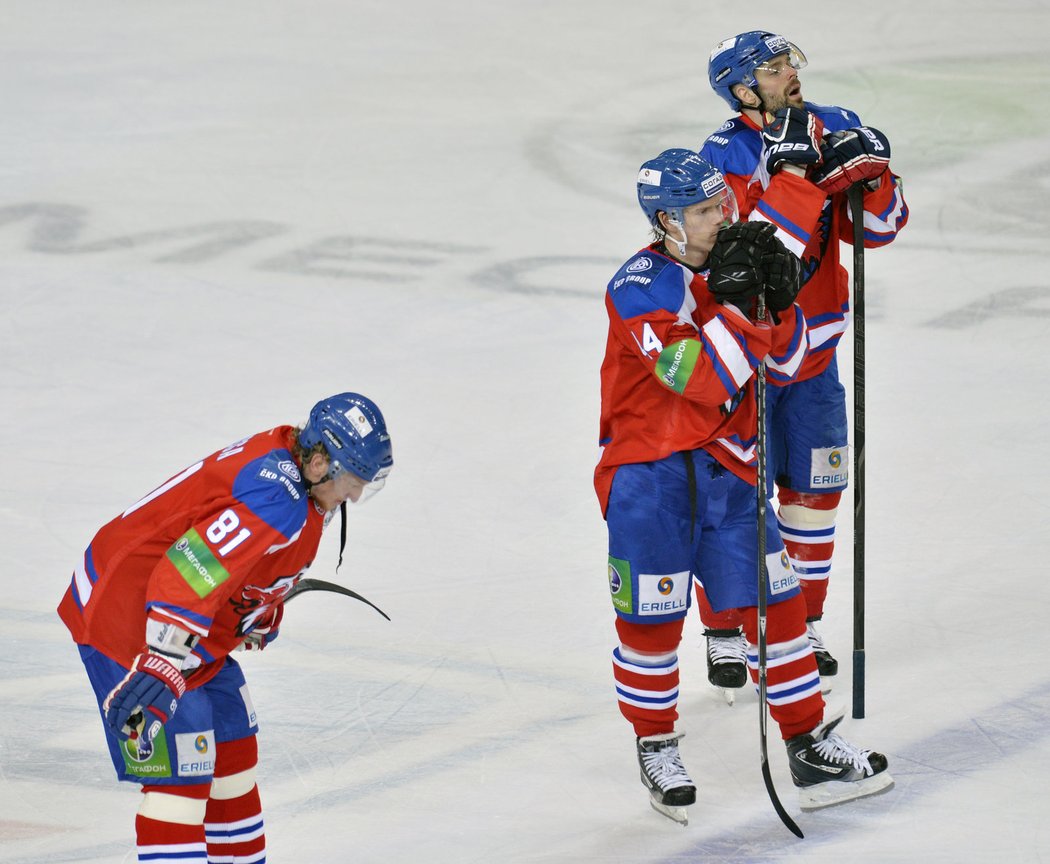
[272, 488]
[733, 148]
[834, 118]
[648, 282]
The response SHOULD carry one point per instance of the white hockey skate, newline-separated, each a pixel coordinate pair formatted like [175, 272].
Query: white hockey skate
[670, 788]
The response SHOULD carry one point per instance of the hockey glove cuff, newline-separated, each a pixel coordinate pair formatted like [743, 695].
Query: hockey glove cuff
[792, 135]
[851, 156]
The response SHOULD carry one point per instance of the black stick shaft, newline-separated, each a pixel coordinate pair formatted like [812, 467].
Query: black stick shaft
[763, 600]
[856, 203]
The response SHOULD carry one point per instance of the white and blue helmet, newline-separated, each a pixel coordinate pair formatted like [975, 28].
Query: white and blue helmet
[733, 61]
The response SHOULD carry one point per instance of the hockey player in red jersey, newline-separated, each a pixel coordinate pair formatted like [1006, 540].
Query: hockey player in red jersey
[777, 143]
[676, 479]
[195, 570]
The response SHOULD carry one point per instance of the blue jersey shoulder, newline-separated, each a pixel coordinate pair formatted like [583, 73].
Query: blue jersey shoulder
[648, 282]
[272, 487]
[733, 148]
[834, 118]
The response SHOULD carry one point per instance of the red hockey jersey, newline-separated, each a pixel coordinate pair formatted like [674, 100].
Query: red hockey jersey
[679, 368]
[735, 149]
[211, 551]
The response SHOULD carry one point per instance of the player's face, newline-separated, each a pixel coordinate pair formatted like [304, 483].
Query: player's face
[703, 221]
[345, 486]
[778, 84]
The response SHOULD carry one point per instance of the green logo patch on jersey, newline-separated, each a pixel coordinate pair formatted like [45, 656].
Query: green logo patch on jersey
[156, 764]
[194, 560]
[676, 362]
[620, 585]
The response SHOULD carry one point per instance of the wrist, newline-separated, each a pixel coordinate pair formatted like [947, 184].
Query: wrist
[169, 641]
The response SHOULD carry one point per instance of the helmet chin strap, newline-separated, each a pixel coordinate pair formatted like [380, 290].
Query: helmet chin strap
[681, 244]
[342, 515]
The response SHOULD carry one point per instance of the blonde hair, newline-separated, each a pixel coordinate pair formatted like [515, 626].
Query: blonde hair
[303, 455]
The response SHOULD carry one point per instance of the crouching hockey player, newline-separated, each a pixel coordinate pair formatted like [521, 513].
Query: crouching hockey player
[198, 568]
[676, 479]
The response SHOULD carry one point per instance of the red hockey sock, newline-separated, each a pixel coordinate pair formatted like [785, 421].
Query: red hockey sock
[807, 526]
[792, 680]
[645, 668]
[234, 829]
[233, 821]
[170, 824]
[727, 619]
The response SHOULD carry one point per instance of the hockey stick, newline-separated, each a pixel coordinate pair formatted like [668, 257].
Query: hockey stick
[304, 585]
[855, 195]
[760, 456]
[137, 721]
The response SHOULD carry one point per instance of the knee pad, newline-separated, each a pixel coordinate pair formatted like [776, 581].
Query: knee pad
[235, 763]
[180, 805]
[233, 786]
[807, 510]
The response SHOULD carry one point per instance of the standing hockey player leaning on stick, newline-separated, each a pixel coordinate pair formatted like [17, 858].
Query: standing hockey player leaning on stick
[676, 479]
[197, 569]
[773, 154]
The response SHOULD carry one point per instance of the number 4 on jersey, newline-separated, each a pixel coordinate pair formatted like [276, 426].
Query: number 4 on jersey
[649, 341]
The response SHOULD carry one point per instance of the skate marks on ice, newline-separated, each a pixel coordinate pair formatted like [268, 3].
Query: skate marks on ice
[1018, 303]
[924, 768]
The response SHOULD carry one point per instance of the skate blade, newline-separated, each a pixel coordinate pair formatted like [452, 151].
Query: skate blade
[836, 792]
[728, 694]
[675, 814]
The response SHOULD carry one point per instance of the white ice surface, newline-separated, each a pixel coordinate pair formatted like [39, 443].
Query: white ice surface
[212, 214]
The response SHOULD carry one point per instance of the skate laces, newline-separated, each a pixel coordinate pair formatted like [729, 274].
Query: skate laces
[665, 766]
[727, 649]
[835, 748]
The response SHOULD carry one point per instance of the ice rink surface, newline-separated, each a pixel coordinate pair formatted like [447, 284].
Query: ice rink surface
[213, 214]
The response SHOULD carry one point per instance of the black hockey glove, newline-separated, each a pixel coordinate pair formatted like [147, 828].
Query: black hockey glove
[736, 262]
[783, 274]
[851, 156]
[792, 135]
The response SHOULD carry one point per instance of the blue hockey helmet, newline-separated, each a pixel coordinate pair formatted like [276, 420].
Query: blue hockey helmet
[678, 178]
[733, 61]
[353, 433]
